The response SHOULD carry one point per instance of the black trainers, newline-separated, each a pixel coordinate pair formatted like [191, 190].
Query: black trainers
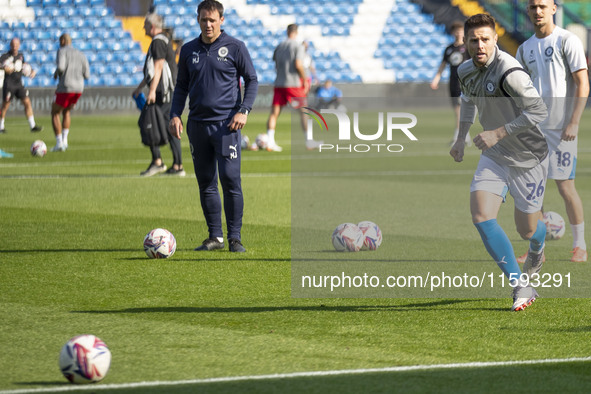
[236, 245]
[153, 169]
[171, 171]
[36, 129]
[210, 244]
[2, 131]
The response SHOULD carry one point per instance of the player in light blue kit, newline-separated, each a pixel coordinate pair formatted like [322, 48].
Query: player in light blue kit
[555, 60]
[514, 151]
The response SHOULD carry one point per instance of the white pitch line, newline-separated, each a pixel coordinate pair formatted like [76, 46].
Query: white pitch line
[408, 368]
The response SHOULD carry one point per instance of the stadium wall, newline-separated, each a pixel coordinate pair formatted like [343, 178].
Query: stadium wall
[110, 100]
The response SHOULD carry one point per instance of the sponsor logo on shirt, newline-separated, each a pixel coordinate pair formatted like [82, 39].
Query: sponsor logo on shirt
[532, 57]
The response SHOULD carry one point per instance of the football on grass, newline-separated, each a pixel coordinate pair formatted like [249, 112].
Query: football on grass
[262, 141]
[372, 235]
[347, 237]
[85, 359]
[555, 225]
[38, 148]
[159, 244]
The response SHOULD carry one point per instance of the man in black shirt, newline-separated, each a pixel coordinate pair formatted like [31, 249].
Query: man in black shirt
[160, 72]
[14, 66]
[454, 55]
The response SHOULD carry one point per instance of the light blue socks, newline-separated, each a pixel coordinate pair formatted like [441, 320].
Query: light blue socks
[499, 247]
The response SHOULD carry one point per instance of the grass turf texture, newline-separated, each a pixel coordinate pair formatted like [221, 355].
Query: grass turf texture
[71, 262]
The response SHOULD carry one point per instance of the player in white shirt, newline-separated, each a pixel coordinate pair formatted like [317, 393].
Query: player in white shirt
[555, 60]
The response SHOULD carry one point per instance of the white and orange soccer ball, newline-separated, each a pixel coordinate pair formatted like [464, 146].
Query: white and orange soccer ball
[85, 359]
[159, 244]
[38, 148]
[27, 70]
[347, 237]
[555, 225]
[372, 235]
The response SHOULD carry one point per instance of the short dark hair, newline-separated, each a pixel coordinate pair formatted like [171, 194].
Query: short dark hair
[479, 20]
[210, 5]
[456, 25]
[292, 28]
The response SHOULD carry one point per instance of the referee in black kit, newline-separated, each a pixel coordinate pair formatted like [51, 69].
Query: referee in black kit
[209, 72]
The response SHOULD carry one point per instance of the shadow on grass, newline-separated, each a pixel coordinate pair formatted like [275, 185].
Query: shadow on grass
[69, 250]
[263, 309]
[56, 383]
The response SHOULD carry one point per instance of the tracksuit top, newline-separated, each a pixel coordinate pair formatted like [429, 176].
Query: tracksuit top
[210, 75]
[73, 69]
[504, 95]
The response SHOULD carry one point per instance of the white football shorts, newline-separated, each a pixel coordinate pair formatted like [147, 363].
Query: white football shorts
[563, 156]
[526, 185]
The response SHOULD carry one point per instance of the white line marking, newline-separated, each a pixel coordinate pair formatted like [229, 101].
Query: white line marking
[298, 375]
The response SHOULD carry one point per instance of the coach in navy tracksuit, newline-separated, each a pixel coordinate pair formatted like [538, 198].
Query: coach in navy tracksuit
[209, 72]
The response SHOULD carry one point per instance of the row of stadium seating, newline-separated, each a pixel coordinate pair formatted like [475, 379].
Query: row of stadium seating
[114, 57]
[64, 3]
[408, 38]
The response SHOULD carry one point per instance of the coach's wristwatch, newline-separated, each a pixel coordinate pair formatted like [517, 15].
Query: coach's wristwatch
[243, 111]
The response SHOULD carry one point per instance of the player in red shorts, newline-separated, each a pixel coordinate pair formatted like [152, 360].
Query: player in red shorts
[291, 85]
[72, 70]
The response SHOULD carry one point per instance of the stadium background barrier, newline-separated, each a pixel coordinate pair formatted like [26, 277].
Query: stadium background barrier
[107, 100]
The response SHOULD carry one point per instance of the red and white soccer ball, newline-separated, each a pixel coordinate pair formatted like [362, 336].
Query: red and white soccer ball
[262, 141]
[85, 359]
[159, 244]
[372, 235]
[347, 237]
[555, 225]
[38, 148]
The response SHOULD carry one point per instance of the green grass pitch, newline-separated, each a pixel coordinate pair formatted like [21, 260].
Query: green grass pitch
[71, 262]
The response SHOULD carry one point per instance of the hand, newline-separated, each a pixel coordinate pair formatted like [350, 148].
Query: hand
[237, 122]
[457, 150]
[9, 69]
[306, 85]
[175, 127]
[151, 99]
[33, 73]
[570, 132]
[489, 138]
[136, 92]
[434, 85]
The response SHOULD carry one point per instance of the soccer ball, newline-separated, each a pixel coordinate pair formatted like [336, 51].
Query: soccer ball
[262, 141]
[85, 359]
[555, 226]
[347, 237]
[372, 234]
[245, 142]
[159, 244]
[38, 148]
[27, 70]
